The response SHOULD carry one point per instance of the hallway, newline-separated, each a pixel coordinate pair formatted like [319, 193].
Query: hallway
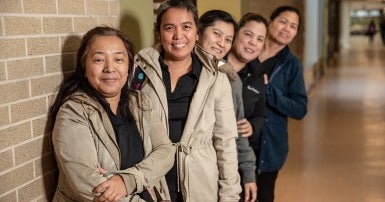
[337, 152]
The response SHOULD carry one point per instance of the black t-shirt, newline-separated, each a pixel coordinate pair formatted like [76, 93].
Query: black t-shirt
[178, 107]
[129, 142]
[253, 89]
[179, 100]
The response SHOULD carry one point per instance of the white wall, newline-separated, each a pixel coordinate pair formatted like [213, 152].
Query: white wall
[313, 18]
[313, 43]
[345, 18]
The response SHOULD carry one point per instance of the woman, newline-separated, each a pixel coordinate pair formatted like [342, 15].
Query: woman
[108, 144]
[194, 100]
[285, 96]
[216, 36]
[248, 44]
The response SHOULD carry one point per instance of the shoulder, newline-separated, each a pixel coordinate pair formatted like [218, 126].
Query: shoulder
[208, 61]
[289, 58]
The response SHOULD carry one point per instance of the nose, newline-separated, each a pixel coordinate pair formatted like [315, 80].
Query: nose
[177, 33]
[221, 42]
[286, 27]
[253, 41]
[108, 65]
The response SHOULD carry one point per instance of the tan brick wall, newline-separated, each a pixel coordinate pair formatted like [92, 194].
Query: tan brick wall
[38, 44]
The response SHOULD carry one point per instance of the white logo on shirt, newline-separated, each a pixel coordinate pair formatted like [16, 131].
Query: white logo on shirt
[253, 89]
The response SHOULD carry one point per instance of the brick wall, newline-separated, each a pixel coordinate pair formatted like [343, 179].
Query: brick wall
[38, 41]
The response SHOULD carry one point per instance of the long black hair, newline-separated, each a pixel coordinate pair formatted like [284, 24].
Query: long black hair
[77, 80]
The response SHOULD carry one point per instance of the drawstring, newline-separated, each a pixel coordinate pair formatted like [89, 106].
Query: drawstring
[186, 150]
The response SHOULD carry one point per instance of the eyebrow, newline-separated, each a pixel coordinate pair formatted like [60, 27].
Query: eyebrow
[101, 52]
[115, 53]
[216, 29]
[292, 23]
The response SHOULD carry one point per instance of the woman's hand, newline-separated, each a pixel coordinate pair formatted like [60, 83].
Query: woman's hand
[265, 79]
[250, 191]
[245, 128]
[113, 189]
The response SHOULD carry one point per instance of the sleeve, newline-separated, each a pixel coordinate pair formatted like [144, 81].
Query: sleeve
[224, 136]
[75, 150]
[246, 159]
[158, 162]
[246, 156]
[291, 101]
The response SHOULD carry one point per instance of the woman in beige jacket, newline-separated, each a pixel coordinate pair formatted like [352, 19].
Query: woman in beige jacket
[108, 144]
[194, 101]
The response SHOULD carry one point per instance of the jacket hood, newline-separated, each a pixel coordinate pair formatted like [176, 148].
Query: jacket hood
[135, 98]
[82, 97]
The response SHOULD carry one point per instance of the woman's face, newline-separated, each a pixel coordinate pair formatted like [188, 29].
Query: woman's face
[284, 27]
[178, 34]
[107, 66]
[217, 38]
[249, 41]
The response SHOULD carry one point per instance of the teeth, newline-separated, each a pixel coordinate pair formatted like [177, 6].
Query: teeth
[179, 45]
[249, 50]
[217, 50]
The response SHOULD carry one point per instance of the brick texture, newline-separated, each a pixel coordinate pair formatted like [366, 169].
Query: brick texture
[10, 48]
[38, 44]
[35, 6]
[6, 159]
[13, 91]
[2, 71]
[4, 116]
[24, 68]
[22, 25]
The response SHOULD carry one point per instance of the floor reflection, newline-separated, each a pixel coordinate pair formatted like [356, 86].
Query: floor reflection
[337, 153]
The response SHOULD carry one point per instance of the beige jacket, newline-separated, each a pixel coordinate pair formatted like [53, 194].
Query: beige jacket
[206, 155]
[84, 138]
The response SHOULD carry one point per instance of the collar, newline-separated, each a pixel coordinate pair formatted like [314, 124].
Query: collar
[196, 65]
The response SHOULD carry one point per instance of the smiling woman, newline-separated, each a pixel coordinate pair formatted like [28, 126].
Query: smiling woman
[95, 114]
[107, 68]
[194, 101]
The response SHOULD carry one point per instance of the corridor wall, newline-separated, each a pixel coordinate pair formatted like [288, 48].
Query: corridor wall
[38, 41]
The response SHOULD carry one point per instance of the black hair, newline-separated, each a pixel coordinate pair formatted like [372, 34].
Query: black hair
[251, 17]
[166, 5]
[282, 9]
[208, 18]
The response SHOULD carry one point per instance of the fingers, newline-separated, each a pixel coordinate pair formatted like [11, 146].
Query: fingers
[253, 195]
[250, 192]
[109, 195]
[101, 188]
[101, 170]
[247, 195]
[244, 128]
[111, 190]
[265, 79]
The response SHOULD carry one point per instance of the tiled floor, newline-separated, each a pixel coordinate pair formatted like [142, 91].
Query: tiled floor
[337, 152]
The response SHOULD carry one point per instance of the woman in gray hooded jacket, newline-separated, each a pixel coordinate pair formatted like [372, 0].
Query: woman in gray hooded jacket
[107, 143]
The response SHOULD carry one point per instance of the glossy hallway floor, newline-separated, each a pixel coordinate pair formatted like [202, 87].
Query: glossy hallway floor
[337, 152]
